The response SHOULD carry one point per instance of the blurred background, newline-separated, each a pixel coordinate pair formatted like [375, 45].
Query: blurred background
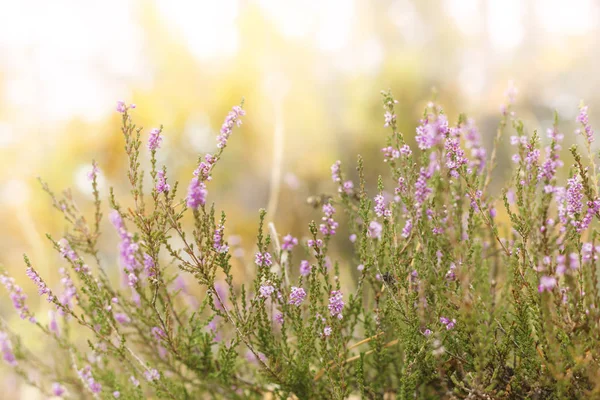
[310, 70]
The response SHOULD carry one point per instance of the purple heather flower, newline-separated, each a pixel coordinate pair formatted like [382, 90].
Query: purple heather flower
[593, 210]
[41, 285]
[360, 267]
[66, 251]
[121, 106]
[473, 142]
[279, 318]
[532, 157]
[266, 290]
[389, 119]
[315, 243]
[70, 291]
[574, 196]
[561, 265]
[451, 275]
[389, 153]
[401, 188]
[127, 248]
[197, 192]
[305, 268]
[352, 238]
[405, 150]
[327, 331]
[455, 156]
[57, 389]
[329, 225]
[474, 199]
[380, 208]
[53, 323]
[407, 228]
[335, 171]
[297, 296]
[431, 131]
[161, 182]
[233, 118]
[560, 195]
[336, 304]
[427, 332]
[86, 375]
[132, 279]
[158, 333]
[17, 296]
[289, 242]
[151, 375]
[149, 265]
[422, 191]
[583, 119]
[547, 283]
[7, 350]
[251, 357]
[134, 381]
[587, 252]
[122, 318]
[449, 323]
[205, 167]
[116, 394]
[218, 244]
[155, 139]
[347, 187]
[93, 173]
[552, 162]
[374, 230]
[263, 259]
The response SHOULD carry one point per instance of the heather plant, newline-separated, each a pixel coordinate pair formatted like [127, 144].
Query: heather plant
[451, 301]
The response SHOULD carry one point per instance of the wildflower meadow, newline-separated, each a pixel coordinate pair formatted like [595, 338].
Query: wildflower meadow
[451, 301]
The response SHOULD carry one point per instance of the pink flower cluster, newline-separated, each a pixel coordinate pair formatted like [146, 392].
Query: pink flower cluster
[336, 304]
[233, 118]
[263, 259]
[17, 296]
[329, 225]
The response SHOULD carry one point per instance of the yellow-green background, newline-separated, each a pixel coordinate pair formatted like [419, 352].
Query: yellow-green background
[315, 67]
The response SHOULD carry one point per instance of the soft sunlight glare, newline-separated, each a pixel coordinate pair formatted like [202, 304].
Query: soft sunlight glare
[505, 19]
[329, 22]
[573, 17]
[466, 15]
[208, 28]
[62, 60]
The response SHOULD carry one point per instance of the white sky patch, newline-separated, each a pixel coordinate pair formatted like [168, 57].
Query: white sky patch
[573, 17]
[405, 16]
[505, 18]
[466, 14]
[335, 24]
[208, 28]
[329, 22]
[68, 58]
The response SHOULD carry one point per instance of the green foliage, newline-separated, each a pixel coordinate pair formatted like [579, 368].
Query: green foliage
[444, 305]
